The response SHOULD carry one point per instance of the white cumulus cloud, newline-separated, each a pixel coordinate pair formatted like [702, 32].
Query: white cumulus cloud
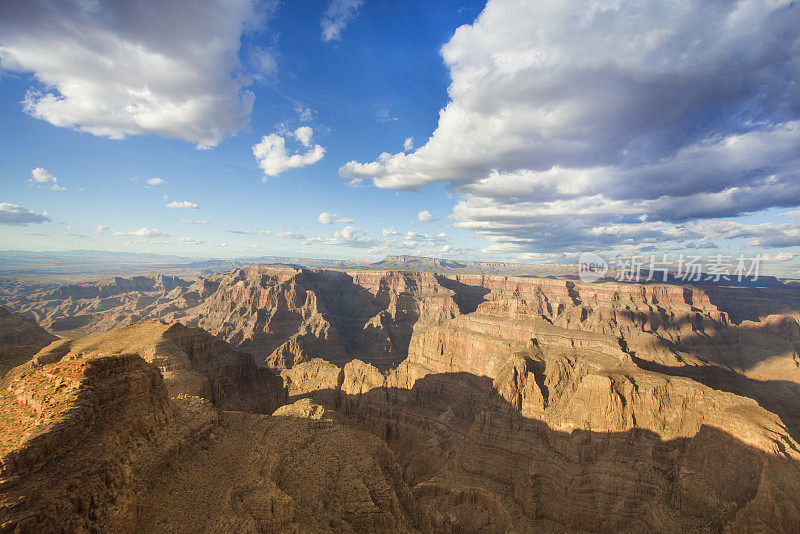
[424, 216]
[41, 177]
[349, 236]
[326, 217]
[273, 158]
[127, 68]
[574, 125]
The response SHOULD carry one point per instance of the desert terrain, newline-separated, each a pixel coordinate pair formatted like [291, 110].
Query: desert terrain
[277, 398]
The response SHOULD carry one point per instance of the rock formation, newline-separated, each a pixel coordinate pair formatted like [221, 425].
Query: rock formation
[281, 315]
[95, 442]
[585, 442]
[412, 402]
[191, 361]
[297, 471]
[81, 436]
[20, 339]
[539, 410]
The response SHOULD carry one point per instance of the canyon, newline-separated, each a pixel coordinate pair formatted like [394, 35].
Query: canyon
[279, 398]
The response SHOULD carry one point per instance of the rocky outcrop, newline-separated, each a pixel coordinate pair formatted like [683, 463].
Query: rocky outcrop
[80, 437]
[89, 424]
[192, 362]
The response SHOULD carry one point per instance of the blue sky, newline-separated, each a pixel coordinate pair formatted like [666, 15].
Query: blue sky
[537, 130]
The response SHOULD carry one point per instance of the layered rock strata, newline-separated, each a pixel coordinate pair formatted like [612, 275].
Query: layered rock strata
[20, 339]
[191, 361]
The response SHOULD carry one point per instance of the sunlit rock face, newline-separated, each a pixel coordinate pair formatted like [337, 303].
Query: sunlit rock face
[552, 404]
[414, 401]
[280, 315]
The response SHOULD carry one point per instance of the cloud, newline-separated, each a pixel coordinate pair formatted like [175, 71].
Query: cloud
[349, 236]
[425, 216]
[502, 248]
[337, 16]
[273, 159]
[129, 68]
[143, 232]
[303, 134]
[413, 239]
[248, 232]
[40, 177]
[103, 229]
[388, 232]
[152, 182]
[305, 114]
[191, 241]
[408, 144]
[13, 215]
[573, 126]
[326, 217]
[264, 64]
[185, 204]
[778, 258]
[196, 222]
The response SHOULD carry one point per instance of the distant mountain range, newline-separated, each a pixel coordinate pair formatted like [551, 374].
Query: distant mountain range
[46, 268]
[83, 265]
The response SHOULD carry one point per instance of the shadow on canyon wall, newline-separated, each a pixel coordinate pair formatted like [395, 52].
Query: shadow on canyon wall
[468, 297]
[463, 447]
[781, 397]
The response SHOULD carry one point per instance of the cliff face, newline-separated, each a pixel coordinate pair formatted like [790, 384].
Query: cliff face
[291, 316]
[96, 442]
[542, 409]
[297, 471]
[20, 339]
[677, 331]
[518, 404]
[279, 314]
[192, 362]
[79, 438]
[560, 443]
